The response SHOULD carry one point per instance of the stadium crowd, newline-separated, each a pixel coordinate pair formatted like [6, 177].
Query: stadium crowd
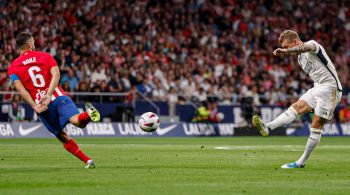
[181, 49]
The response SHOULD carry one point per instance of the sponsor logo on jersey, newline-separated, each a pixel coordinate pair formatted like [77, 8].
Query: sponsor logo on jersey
[39, 95]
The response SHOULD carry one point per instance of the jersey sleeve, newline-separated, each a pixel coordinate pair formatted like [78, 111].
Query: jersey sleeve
[13, 75]
[51, 62]
[316, 44]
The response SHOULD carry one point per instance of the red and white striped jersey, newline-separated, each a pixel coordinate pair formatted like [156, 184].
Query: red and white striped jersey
[32, 68]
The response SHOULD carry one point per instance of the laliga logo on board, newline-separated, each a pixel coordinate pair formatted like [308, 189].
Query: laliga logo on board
[6, 130]
[91, 129]
[346, 128]
[134, 129]
[329, 129]
[100, 129]
[131, 129]
[198, 129]
[73, 130]
[227, 129]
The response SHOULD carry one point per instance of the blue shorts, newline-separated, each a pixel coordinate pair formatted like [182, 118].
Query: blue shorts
[58, 114]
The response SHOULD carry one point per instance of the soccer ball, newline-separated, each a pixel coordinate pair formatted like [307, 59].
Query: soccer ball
[149, 122]
[220, 116]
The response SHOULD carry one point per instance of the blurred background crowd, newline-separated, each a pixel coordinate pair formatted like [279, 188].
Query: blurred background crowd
[178, 50]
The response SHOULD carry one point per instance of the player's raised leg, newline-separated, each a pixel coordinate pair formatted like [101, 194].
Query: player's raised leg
[82, 119]
[288, 116]
[71, 146]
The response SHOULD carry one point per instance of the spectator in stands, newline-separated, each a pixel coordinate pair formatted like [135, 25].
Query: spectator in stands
[159, 93]
[115, 84]
[202, 113]
[344, 114]
[201, 95]
[9, 95]
[71, 79]
[16, 111]
[144, 87]
[82, 87]
[215, 116]
[96, 97]
[172, 99]
[98, 75]
[3, 77]
[208, 42]
[125, 83]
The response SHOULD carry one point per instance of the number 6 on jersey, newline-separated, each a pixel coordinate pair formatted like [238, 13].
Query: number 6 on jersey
[38, 79]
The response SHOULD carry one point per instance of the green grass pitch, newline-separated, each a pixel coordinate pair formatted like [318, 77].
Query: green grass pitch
[235, 165]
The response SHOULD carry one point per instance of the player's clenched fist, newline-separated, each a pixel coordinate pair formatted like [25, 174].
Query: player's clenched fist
[280, 52]
[40, 108]
[45, 100]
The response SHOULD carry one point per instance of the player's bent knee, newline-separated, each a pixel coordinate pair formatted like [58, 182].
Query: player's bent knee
[316, 130]
[296, 108]
[81, 125]
[291, 108]
[74, 120]
[318, 122]
[301, 107]
[63, 137]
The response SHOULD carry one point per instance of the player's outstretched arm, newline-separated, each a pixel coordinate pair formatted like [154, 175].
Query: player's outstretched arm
[26, 96]
[55, 72]
[305, 47]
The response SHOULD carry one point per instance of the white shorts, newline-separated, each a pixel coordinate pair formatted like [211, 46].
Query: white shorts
[323, 100]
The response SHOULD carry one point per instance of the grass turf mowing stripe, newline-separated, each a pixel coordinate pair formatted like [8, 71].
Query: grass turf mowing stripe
[174, 166]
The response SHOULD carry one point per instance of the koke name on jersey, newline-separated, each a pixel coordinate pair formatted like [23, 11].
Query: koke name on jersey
[29, 60]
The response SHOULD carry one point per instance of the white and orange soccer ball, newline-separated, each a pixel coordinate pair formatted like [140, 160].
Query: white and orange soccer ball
[149, 122]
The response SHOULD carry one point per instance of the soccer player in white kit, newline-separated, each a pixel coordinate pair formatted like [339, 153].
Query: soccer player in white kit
[322, 98]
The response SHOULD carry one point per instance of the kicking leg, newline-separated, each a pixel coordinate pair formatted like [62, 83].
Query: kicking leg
[82, 119]
[71, 146]
[300, 107]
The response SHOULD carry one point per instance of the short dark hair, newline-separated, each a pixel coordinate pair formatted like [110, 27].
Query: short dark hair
[22, 38]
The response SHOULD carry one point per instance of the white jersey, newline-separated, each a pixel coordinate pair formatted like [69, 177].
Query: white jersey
[319, 67]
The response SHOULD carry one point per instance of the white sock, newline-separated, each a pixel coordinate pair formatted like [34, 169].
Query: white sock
[312, 141]
[283, 119]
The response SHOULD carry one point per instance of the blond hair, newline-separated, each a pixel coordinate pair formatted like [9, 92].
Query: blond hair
[289, 35]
